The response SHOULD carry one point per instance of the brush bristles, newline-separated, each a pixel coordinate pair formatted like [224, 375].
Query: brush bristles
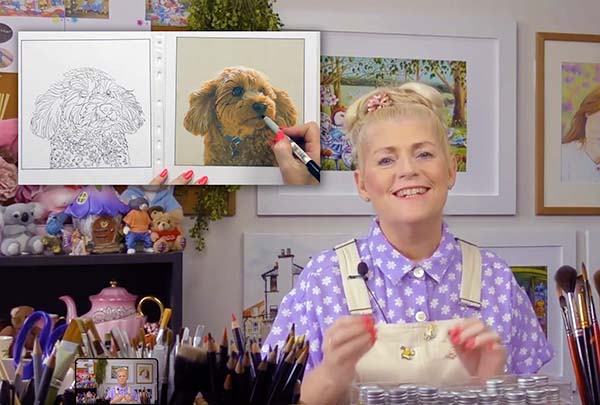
[72, 334]
[191, 353]
[597, 281]
[566, 278]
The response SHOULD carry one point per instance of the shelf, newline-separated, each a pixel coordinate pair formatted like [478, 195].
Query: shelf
[39, 281]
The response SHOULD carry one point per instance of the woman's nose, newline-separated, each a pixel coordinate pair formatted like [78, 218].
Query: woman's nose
[406, 167]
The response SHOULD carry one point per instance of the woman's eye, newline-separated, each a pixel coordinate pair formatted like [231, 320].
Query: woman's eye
[425, 154]
[237, 91]
[384, 161]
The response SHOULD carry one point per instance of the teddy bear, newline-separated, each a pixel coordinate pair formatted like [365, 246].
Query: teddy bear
[166, 235]
[17, 319]
[18, 229]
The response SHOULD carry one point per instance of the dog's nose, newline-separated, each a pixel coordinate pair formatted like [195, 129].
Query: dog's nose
[106, 109]
[24, 217]
[259, 107]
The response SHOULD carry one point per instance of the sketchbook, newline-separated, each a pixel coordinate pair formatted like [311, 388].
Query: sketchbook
[120, 107]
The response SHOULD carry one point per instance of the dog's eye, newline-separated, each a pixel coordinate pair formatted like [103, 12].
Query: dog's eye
[237, 91]
[262, 90]
[108, 93]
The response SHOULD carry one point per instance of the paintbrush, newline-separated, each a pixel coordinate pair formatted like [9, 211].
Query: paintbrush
[587, 338]
[86, 345]
[67, 350]
[96, 342]
[190, 374]
[593, 318]
[566, 278]
[42, 392]
[18, 382]
[36, 358]
[164, 321]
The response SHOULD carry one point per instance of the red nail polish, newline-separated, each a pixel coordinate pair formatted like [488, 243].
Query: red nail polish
[470, 344]
[188, 175]
[202, 181]
[279, 136]
[164, 173]
[455, 339]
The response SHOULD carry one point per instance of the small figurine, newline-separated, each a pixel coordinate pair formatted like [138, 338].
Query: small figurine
[430, 332]
[53, 240]
[17, 318]
[18, 229]
[407, 353]
[138, 226]
[80, 246]
[165, 234]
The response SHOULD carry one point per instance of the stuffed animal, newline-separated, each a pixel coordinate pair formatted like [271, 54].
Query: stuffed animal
[138, 226]
[18, 229]
[17, 319]
[53, 240]
[80, 245]
[166, 235]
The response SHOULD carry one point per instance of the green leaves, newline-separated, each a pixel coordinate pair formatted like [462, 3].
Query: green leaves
[233, 15]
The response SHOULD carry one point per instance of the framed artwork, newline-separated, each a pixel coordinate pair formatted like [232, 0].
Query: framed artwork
[144, 373]
[567, 124]
[113, 372]
[534, 257]
[473, 66]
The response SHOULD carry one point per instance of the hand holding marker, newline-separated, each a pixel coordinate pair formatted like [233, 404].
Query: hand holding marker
[311, 165]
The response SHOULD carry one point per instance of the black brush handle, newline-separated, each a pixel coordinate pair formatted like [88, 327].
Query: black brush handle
[585, 364]
[587, 336]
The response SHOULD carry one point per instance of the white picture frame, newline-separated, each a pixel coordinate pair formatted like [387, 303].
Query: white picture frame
[592, 260]
[489, 185]
[526, 247]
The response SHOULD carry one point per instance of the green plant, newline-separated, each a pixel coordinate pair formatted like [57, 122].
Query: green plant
[233, 15]
[100, 370]
[211, 205]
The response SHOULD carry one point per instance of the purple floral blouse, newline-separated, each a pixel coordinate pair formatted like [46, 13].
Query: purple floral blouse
[407, 291]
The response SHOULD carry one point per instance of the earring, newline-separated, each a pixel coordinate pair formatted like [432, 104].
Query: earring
[367, 199]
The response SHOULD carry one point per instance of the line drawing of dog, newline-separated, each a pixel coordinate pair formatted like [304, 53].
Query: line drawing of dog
[87, 116]
[227, 111]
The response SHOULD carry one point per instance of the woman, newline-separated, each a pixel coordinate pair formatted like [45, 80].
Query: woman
[444, 310]
[581, 144]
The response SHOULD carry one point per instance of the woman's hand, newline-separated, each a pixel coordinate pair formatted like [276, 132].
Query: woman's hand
[182, 179]
[479, 347]
[344, 343]
[293, 171]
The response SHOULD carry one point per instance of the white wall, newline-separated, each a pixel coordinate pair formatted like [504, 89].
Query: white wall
[213, 279]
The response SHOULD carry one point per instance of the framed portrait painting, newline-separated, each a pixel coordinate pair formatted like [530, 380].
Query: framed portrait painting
[144, 373]
[567, 124]
[472, 66]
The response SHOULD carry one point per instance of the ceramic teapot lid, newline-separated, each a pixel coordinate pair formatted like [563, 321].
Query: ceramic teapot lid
[114, 294]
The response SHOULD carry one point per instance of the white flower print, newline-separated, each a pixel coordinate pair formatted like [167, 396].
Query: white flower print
[336, 271]
[319, 310]
[434, 303]
[333, 259]
[292, 292]
[316, 290]
[445, 309]
[327, 300]
[326, 281]
[420, 300]
[410, 312]
[395, 254]
[381, 248]
[376, 231]
[389, 292]
[451, 276]
[336, 289]
[337, 308]
[454, 297]
[490, 321]
[408, 291]
[398, 302]
[276, 330]
[363, 246]
[320, 258]
[450, 246]
[379, 282]
[490, 255]
[391, 313]
[303, 319]
[427, 265]
[406, 267]
[328, 320]
[303, 285]
[443, 288]
[488, 272]
[298, 306]
[309, 305]
[485, 303]
[390, 265]
[492, 290]
[378, 262]
[506, 318]
[381, 302]
[315, 345]
[502, 298]
[286, 312]
[498, 280]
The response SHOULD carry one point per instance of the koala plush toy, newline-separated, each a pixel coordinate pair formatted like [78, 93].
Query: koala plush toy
[18, 229]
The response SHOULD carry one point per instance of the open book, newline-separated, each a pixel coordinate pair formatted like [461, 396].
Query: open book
[120, 107]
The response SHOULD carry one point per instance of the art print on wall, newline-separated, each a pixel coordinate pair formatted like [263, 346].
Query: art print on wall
[567, 124]
[32, 8]
[345, 78]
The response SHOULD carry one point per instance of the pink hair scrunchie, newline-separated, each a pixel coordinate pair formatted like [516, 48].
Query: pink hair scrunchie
[377, 101]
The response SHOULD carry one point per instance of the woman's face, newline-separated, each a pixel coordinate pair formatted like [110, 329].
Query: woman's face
[122, 378]
[404, 171]
[592, 131]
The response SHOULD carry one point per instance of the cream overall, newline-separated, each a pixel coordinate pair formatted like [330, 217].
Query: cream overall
[420, 352]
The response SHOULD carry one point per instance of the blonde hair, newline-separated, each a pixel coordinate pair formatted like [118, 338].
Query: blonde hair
[125, 369]
[589, 105]
[411, 100]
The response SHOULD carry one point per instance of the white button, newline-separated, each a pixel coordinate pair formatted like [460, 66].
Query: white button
[421, 316]
[418, 272]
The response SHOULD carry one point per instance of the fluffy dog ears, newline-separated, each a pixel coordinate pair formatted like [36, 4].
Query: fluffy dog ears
[201, 115]
[286, 111]
[48, 112]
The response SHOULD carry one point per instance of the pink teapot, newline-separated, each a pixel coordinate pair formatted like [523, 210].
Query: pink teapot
[113, 307]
